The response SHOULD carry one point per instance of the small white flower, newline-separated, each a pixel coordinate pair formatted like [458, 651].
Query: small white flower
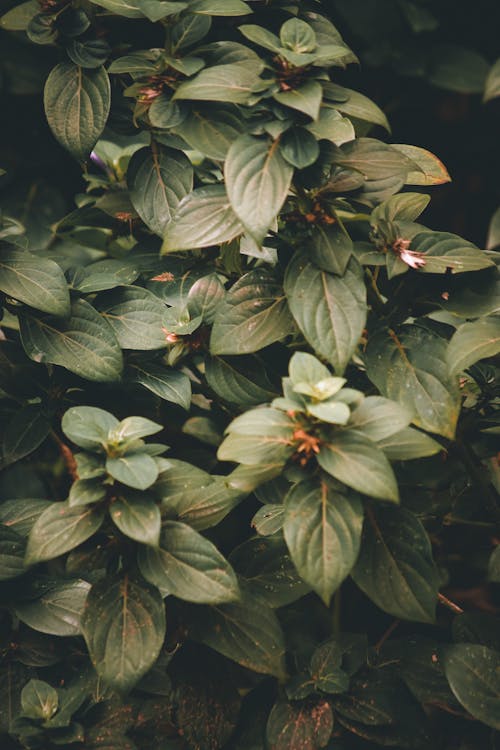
[412, 258]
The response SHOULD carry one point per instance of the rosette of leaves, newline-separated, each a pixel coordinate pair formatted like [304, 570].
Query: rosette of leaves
[319, 421]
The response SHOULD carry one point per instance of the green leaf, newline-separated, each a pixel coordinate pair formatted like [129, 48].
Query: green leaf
[331, 126]
[248, 478]
[41, 29]
[19, 17]
[305, 98]
[374, 159]
[190, 495]
[299, 147]
[137, 64]
[379, 707]
[491, 87]
[154, 10]
[444, 251]
[204, 429]
[419, 666]
[180, 478]
[137, 470]
[88, 426]
[359, 463]
[476, 627]
[409, 366]
[402, 207]
[493, 239]
[211, 129]
[377, 418]
[136, 316]
[322, 530]
[252, 449]
[331, 248]
[203, 218]
[90, 465]
[165, 382]
[407, 444]
[134, 427]
[11, 554]
[24, 433]
[60, 528]
[189, 566]
[91, 53]
[305, 368]
[37, 282]
[207, 508]
[14, 677]
[39, 700]
[235, 83]
[326, 670]
[204, 298]
[472, 342]
[188, 30]
[158, 178]
[494, 566]
[239, 380]
[395, 567]
[473, 672]
[85, 344]
[137, 516]
[261, 36]
[332, 412]
[104, 274]
[220, 7]
[253, 315]
[457, 68]
[86, 492]
[329, 310]
[299, 726]
[247, 632]
[357, 105]
[57, 608]
[258, 436]
[164, 113]
[269, 519]
[77, 105]
[268, 570]
[257, 182]
[431, 170]
[127, 8]
[298, 36]
[123, 625]
[20, 514]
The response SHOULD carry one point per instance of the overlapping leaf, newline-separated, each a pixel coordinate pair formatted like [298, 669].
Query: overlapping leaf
[395, 567]
[329, 310]
[77, 103]
[409, 366]
[322, 529]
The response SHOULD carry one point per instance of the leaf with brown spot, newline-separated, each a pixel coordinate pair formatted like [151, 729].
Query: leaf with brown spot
[124, 625]
[299, 726]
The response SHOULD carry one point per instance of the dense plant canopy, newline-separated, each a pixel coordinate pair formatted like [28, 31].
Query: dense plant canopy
[309, 555]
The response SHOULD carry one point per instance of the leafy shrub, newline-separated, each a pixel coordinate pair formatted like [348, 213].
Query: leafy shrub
[245, 276]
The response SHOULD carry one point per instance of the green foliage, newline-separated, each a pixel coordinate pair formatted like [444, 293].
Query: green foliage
[243, 274]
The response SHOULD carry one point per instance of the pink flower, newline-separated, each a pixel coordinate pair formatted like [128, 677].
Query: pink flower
[412, 258]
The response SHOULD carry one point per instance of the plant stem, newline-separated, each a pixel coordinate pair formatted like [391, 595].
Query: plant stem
[390, 630]
[449, 604]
